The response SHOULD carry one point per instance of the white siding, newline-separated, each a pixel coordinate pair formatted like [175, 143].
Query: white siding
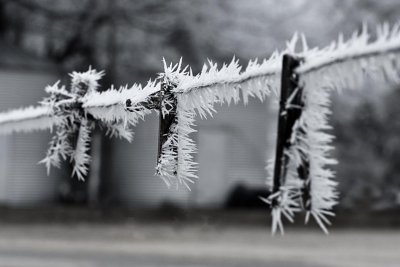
[23, 181]
[211, 189]
[249, 133]
[233, 148]
[134, 167]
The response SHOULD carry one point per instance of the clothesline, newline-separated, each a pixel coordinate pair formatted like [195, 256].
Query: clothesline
[343, 64]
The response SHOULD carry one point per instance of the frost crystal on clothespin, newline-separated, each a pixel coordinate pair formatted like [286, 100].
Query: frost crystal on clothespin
[73, 113]
[76, 112]
[74, 125]
[175, 163]
[285, 183]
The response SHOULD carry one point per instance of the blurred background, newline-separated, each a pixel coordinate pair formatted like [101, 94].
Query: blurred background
[125, 214]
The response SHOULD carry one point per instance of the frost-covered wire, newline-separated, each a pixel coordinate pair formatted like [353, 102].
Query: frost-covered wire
[26, 120]
[72, 112]
[110, 105]
[229, 83]
[354, 58]
[200, 93]
[343, 64]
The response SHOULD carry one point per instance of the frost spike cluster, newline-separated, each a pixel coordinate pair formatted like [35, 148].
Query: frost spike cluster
[26, 120]
[175, 164]
[72, 135]
[73, 113]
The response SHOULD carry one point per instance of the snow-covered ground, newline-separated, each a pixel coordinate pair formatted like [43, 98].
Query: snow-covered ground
[86, 245]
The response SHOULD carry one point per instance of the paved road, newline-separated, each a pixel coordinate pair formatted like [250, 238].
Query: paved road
[192, 246]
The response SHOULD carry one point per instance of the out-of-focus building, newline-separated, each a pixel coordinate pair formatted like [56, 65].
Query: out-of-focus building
[232, 150]
[22, 80]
